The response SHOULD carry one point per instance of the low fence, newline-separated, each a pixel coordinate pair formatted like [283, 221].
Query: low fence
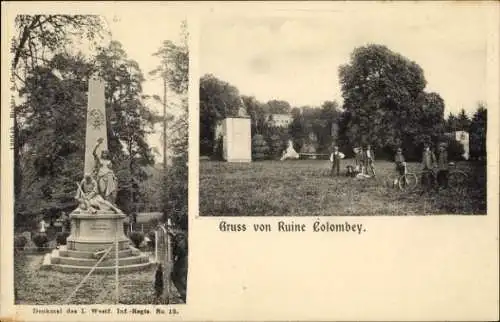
[163, 256]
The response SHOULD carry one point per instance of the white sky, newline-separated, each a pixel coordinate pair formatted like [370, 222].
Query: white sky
[297, 58]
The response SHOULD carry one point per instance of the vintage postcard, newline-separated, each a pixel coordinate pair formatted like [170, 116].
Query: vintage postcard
[250, 161]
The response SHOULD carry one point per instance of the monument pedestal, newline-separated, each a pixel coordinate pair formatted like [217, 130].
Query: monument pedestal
[93, 232]
[237, 140]
[91, 235]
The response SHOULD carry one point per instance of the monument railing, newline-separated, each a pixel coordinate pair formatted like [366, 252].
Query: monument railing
[163, 256]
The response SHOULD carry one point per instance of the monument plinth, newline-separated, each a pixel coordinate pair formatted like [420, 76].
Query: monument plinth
[237, 141]
[97, 225]
[93, 232]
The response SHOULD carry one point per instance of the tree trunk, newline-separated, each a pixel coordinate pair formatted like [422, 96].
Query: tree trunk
[24, 38]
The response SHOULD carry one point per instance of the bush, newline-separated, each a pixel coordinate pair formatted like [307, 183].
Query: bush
[277, 146]
[137, 238]
[259, 147]
[61, 238]
[20, 242]
[40, 240]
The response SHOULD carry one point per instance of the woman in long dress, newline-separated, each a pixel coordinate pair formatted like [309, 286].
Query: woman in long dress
[105, 176]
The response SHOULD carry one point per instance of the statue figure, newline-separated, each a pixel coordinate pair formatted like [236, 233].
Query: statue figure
[98, 192]
[290, 152]
[105, 177]
[242, 112]
[89, 198]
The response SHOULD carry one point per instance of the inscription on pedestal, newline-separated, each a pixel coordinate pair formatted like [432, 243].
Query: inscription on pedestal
[100, 226]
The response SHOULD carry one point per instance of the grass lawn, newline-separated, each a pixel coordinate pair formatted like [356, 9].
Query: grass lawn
[304, 188]
[45, 287]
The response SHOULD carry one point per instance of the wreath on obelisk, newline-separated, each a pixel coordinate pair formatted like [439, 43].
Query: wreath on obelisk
[96, 118]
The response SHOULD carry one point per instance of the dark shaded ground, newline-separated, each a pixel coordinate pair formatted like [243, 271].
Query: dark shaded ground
[40, 287]
[304, 188]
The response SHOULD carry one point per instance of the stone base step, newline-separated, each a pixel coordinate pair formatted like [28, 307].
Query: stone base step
[100, 270]
[95, 245]
[108, 261]
[90, 255]
[132, 261]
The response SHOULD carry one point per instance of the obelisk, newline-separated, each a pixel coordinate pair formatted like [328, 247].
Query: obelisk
[96, 122]
[102, 231]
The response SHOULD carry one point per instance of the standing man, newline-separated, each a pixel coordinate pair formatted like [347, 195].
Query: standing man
[442, 175]
[428, 164]
[358, 160]
[399, 159]
[158, 283]
[335, 159]
[369, 158]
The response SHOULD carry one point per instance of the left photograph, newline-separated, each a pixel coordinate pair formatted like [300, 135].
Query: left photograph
[99, 106]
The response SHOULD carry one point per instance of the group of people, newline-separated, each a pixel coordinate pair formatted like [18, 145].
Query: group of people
[430, 165]
[365, 163]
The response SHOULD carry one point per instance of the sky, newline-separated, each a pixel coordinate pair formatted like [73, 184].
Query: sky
[296, 58]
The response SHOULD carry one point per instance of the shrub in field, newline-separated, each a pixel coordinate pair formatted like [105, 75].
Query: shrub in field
[40, 240]
[137, 238]
[277, 146]
[260, 149]
[20, 242]
[61, 238]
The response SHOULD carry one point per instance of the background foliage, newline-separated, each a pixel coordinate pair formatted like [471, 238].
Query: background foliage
[385, 104]
[50, 80]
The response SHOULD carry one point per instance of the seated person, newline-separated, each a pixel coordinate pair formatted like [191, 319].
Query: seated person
[89, 199]
[350, 171]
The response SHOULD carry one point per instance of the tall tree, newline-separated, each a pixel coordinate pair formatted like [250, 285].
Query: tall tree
[384, 100]
[478, 131]
[463, 121]
[174, 71]
[51, 136]
[38, 38]
[41, 36]
[218, 100]
[451, 123]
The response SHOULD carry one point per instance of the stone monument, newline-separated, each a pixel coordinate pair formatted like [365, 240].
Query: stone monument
[463, 138]
[290, 152]
[97, 224]
[236, 138]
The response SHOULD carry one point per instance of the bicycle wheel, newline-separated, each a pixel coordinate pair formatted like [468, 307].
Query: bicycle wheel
[457, 181]
[407, 182]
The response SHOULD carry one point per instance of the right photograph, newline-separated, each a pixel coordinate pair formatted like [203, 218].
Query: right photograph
[344, 114]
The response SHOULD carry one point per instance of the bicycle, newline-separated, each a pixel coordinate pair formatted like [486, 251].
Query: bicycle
[457, 179]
